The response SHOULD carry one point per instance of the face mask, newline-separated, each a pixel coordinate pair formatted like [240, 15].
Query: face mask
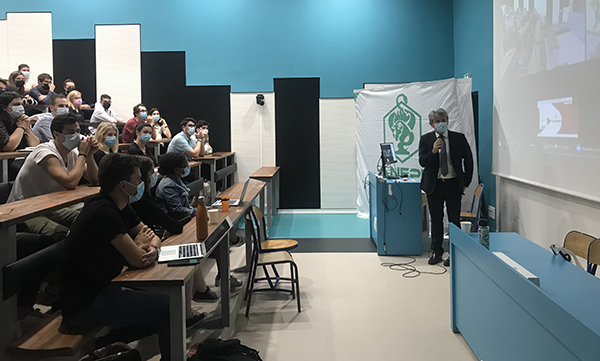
[441, 127]
[106, 105]
[46, 86]
[25, 73]
[72, 141]
[70, 89]
[186, 171]
[145, 137]
[17, 111]
[138, 194]
[20, 83]
[143, 115]
[204, 131]
[153, 180]
[191, 130]
[110, 141]
[61, 111]
[156, 118]
[77, 102]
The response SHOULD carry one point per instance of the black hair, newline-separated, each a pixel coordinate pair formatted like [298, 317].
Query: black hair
[4, 81]
[136, 109]
[146, 164]
[114, 168]
[171, 161]
[105, 96]
[57, 96]
[66, 81]
[59, 122]
[184, 122]
[153, 110]
[202, 123]
[139, 127]
[43, 77]
[5, 118]
[21, 66]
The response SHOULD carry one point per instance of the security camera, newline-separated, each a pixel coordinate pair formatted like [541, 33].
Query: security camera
[260, 99]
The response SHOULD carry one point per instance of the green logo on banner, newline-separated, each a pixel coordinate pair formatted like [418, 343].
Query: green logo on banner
[402, 126]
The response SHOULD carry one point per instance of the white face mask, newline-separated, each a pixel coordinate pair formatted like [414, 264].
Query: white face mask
[205, 131]
[61, 111]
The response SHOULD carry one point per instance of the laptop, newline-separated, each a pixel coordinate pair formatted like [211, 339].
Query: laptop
[233, 202]
[195, 250]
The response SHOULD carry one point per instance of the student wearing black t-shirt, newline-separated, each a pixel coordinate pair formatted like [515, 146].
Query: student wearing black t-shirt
[106, 236]
[142, 135]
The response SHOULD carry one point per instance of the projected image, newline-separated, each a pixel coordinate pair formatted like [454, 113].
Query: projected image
[542, 35]
[558, 118]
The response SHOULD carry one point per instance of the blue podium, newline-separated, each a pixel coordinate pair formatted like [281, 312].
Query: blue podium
[398, 219]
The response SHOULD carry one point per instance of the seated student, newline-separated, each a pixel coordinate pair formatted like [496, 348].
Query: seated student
[26, 71]
[160, 125]
[143, 134]
[15, 126]
[58, 106]
[103, 111]
[107, 236]
[44, 91]
[106, 137]
[139, 116]
[185, 141]
[172, 195]
[55, 166]
[202, 133]
[68, 86]
[16, 83]
[153, 216]
[3, 85]
[76, 108]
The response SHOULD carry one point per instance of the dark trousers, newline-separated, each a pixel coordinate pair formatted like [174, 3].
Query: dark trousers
[445, 191]
[131, 314]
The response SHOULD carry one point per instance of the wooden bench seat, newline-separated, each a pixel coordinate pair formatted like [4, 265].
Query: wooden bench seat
[45, 340]
[265, 172]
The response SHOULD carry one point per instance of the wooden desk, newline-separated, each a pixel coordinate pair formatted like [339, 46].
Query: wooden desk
[171, 280]
[17, 212]
[219, 162]
[5, 156]
[270, 175]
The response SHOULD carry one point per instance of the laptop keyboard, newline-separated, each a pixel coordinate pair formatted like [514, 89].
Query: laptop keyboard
[188, 250]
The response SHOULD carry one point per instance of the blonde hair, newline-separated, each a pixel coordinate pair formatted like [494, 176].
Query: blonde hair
[71, 96]
[103, 128]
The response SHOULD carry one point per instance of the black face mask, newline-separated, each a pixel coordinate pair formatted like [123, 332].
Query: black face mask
[106, 105]
[20, 83]
[46, 86]
[69, 90]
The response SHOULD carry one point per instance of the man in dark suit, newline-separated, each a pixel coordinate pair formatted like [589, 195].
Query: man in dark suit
[448, 162]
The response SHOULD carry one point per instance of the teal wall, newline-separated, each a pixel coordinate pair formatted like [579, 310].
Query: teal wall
[247, 43]
[473, 53]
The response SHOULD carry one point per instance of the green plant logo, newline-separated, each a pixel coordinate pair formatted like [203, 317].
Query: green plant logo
[402, 126]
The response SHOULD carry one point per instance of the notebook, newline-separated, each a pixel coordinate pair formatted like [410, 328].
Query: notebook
[195, 250]
[233, 202]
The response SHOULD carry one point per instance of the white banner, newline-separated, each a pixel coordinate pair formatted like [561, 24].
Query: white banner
[399, 114]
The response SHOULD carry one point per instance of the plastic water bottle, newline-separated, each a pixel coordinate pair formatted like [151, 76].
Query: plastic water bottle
[484, 233]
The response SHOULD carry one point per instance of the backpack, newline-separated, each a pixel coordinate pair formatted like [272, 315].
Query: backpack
[215, 349]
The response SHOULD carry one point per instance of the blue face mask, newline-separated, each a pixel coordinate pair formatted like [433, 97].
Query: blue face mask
[138, 194]
[186, 171]
[61, 111]
[110, 141]
[441, 127]
[143, 115]
[145, 137]
[72, 141]
[191, 130]
[17, 111]
[156, 117]
[153, 180]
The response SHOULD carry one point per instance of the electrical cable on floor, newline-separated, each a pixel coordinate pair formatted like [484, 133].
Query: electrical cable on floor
[409, 270]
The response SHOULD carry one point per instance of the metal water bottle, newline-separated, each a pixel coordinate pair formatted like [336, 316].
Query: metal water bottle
[201, 220]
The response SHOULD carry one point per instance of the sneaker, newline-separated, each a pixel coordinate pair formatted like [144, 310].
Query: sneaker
[206, 296]
[194, 319]
[233, 282]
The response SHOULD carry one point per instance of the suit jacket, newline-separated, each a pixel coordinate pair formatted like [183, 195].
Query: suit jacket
[460, 156]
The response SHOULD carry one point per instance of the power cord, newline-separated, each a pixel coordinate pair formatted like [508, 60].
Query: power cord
[409, 270]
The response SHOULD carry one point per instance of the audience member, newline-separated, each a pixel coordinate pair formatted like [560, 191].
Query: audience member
[202, 133]
[44, 91]
[107, 236]
[56, 166]
[171, 194]
[139, 116]
[103, 111]
[3, 84]
[58, 106]
[143, 134]
[185, 141]
[160, 125]
[16, 83]
[106, 137]
[15, 126]
[68, 86]
[26, 71]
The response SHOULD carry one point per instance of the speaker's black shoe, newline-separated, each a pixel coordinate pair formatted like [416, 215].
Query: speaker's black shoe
[447, 262]
[435, 259]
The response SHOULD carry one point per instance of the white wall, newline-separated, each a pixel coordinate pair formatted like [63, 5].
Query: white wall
[118, 66]
[338, 153]
[252, 133]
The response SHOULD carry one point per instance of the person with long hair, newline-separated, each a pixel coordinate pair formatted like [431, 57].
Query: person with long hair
[107, 135]
[141, 136]
[16, 83]
[15, 126]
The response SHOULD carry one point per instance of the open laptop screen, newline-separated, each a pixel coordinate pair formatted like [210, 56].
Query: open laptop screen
[221, 230]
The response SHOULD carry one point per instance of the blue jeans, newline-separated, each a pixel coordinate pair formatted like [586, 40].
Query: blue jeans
[132, 315]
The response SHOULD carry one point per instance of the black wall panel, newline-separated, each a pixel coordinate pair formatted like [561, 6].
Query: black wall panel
[164, 87]
[297, 141]
[75, 59]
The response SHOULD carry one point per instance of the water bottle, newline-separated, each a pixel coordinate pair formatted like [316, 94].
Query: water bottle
[201, 220]
[484, 233]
